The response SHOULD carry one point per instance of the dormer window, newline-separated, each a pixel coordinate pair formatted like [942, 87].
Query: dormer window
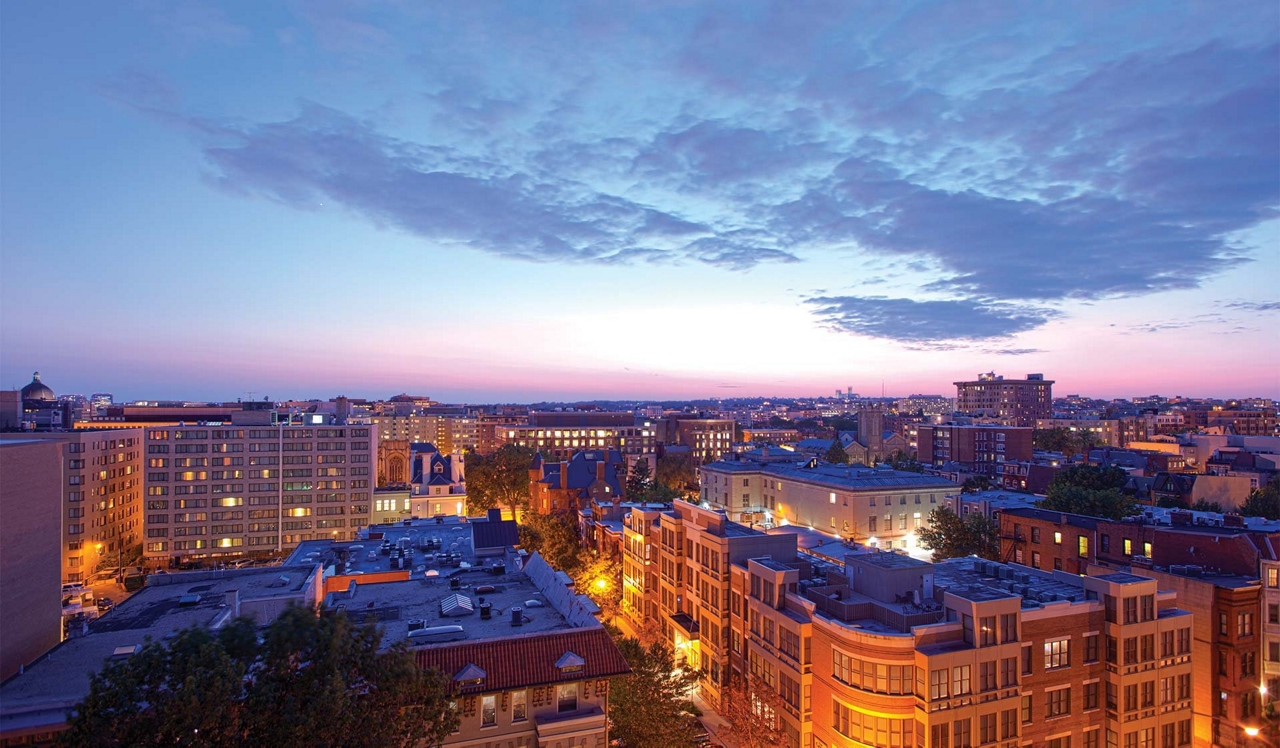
[469, 677]
[570, 663]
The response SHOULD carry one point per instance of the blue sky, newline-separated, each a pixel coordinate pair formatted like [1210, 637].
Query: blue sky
[512, 201]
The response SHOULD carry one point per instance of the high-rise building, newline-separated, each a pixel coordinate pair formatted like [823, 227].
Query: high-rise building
[559, 443]
[102, 488]
[31, 510]
[257, 484]
[1018, 402]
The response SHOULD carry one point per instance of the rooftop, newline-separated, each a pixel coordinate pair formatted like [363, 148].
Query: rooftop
[980, 580]
[169, 603]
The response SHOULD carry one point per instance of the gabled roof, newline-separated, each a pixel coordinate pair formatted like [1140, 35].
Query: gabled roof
[524, 661]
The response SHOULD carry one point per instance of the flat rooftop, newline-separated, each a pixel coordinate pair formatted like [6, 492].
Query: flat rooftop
[887, 559]
[1122, 577]
[431, 543]
[58, 680]
[979, 580]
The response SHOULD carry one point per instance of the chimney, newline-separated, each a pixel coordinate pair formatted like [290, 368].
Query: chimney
[495, 515]
[232, 599]
[600, 470]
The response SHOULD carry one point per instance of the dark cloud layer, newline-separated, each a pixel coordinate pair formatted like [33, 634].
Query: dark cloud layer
[1009, 159]
[926, 321]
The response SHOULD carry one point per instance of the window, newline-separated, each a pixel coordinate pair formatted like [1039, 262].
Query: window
[1009, 672]
[1131, 697]
[1148, 607]
[1148, 647]
[939, 736]
[1026, 709]
[1128, 547]
[1166, 644]
[1248, 664]
[1063, 742]
[1148, 694]
[1035, 559]
[1082, 546]
[1273, 613]
[1131, 650]
[518, 709]
[1035, 535]
[1091, 695]
[1026, 660]
[1058, 703]
[1008, 724]
[1244, 624]
[1104, 541]
[1273, 576]
[567, 697]
[488, 710]
[1057, 653]
[960, 684]
[987, 631]
[1184, 640]
[1223, 628]
[1167, 692]
[937, 684]
[1008, 627]
[987, 676]
[1091, 648]
[1091, 739]
[1131, 610]
[961, 735]
[1057, 538]
[987, 728]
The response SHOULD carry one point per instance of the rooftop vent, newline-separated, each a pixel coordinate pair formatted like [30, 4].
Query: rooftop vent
[119, 653]
[517, 616]
[188, 600]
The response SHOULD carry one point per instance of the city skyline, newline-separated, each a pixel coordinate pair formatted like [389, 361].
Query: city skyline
[526, 202]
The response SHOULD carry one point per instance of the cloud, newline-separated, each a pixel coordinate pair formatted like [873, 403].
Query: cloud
[1011, 351]
[1255, 306]
[926, 322]
[324, 156]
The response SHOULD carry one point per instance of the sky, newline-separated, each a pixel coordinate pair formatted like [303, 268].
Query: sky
[538, 200]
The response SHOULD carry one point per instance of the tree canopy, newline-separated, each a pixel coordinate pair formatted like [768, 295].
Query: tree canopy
[555, 536]
[499, 480]
[1110, 503]
[751, 707]
[1264, 501]
[950, 536]
[303, 679]
[650, 708]
[836, 454]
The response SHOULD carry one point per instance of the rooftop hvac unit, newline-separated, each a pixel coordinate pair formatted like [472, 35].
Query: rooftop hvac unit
[517, 616]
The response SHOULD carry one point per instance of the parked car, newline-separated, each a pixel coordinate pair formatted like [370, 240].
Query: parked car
[105, 604]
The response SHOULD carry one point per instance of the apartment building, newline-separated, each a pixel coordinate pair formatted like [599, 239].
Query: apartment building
[260, 484]
[559, 443]
[449, 433]
[677, 575]
[1018, 402]
[708, 439]
[31, 509]
[981, 449]
[1270, 627]
[878, 506]
[102, 487]
[1111, 432]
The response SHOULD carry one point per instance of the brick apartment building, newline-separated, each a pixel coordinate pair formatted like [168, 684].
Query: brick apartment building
[708, 439]
[885, 650]
[981, 449]
[261, 483]
[102, 487]
[1018, 402]
[31, 517]
[590, 476]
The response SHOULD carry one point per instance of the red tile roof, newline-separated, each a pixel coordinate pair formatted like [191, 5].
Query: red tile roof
[529, 660]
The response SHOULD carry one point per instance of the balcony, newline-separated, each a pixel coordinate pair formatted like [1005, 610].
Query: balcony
[581, 727]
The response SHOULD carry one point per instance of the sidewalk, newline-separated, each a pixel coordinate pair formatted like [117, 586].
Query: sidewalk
[713, 722]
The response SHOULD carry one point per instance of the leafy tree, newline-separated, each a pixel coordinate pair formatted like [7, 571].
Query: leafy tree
[676, 473]
[1171, 502]
[751, 707]
[1204, 505]
[975, 484]
[900, 460]
[600, 578]
[1264, 501]
[950, 536]
[316, 680]
[777, 422]
[1086, 440]
[1056, 439]
[1110, 503]
[836, 454]
[1090, 477]
[650, 708]
[560, 543]
[639, 481]
[500, 480]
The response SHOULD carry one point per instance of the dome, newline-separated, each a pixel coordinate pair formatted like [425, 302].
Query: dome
[37, 390]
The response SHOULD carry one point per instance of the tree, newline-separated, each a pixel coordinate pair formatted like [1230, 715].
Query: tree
[1056, 439]
[676, 473]
[559, 542]
[1089, 476]
[975, 484]
[900, 460]
[316, 680]
[836, 453]
[1086, 440]
[600, 578]
[1264, 501]
[639, 481]
[500, 480]
[751, 707]
[1110, 503]
[650, 708]
[1204, 505]
[950, 536]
